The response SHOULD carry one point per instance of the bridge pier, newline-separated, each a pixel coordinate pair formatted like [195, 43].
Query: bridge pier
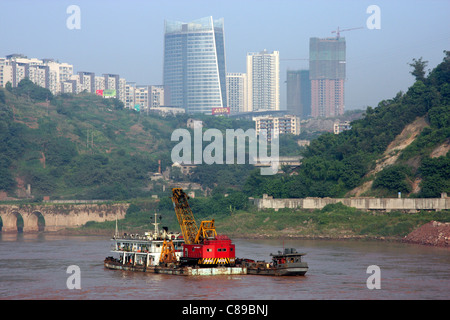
[9, 229]
[9, 222]
[31, 222]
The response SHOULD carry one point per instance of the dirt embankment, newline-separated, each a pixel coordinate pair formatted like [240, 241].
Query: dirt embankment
[433, 233]
[393, 151]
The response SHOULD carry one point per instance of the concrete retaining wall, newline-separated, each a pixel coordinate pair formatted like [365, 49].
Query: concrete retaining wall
[386, 204]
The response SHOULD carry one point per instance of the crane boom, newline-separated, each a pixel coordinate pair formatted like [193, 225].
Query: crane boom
[185, 217]
[202, 246]
[338, 31]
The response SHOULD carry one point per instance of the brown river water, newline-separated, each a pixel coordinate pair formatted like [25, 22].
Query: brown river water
[35, 267]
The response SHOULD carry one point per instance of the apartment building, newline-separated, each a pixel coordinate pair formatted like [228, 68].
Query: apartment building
[339, 127]
[143, 97]
[278, 125]
[237, 92]
[5, 72]
[46, 73]
[263, 80]
[298, 93]
[60, 78]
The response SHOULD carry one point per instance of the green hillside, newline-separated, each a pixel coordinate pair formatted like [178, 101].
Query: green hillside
[78, 146]
[337, 165]
[86, 147]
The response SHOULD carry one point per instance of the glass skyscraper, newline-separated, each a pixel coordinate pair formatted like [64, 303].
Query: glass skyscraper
[194, 65]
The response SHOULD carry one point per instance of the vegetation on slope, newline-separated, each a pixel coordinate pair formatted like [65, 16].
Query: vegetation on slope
[86, 147]
[335, 164]
[78, 146]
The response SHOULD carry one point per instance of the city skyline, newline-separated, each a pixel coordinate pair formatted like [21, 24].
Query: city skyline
[127, 38]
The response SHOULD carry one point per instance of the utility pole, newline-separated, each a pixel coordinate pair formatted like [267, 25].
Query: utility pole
[90, 140]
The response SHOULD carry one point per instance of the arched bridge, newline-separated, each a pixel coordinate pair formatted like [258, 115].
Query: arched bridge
[54, 217]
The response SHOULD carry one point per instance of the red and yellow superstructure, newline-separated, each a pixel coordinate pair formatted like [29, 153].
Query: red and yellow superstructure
[202, 245]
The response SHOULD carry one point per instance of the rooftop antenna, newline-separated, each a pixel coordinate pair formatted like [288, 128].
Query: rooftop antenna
[116, 235]
[156, 224]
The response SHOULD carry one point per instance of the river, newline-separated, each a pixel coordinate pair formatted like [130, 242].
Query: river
[34, 266]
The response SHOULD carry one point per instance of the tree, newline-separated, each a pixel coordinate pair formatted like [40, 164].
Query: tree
[26, 87]
[418, 68]
[2, 96]
[393, 178]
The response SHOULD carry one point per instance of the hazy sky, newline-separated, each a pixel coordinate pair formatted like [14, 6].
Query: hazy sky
[126, 37]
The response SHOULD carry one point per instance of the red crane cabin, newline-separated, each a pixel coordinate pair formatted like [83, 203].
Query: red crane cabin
[212, 251]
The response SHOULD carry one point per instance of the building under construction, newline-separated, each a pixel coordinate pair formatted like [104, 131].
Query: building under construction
[327, 74]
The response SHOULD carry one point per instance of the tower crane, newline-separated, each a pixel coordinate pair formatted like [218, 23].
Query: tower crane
[294, 59]
[338, 31]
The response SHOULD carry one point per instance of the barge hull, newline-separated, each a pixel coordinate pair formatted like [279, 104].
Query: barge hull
[278, 272]
[182, 271]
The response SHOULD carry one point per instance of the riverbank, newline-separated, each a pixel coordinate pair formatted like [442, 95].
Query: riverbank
[425, 235]
[236, 235]
[334, 222]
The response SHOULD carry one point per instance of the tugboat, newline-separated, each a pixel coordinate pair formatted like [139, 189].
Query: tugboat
[287, 263]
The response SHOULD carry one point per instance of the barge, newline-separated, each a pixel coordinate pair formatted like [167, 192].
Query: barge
[198, 251]
[161, 252]
[175, 269]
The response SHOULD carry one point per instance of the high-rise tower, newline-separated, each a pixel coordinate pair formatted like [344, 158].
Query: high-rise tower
[263, 79]
[194, 65]
[327, 74]
[298, 93]
[237, 92]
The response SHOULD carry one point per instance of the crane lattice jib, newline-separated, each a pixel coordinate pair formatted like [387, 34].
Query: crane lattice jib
[185, 217]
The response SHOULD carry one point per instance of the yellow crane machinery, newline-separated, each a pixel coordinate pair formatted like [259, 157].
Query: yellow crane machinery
[202, 246]
[185, 217]
[207, 230]
[191, 232]
[168, 252]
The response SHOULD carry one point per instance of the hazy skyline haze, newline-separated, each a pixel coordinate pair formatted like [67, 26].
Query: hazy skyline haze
[127, 37]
